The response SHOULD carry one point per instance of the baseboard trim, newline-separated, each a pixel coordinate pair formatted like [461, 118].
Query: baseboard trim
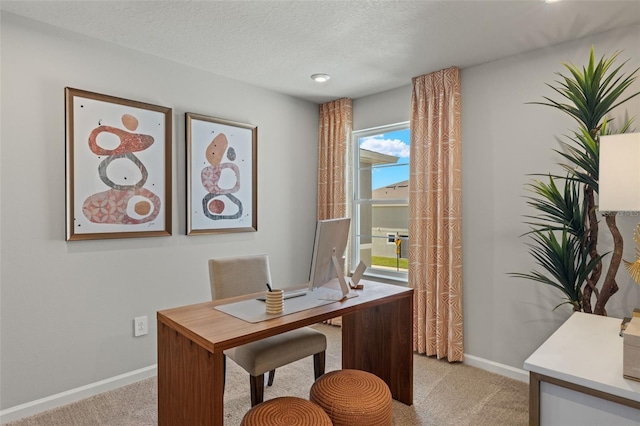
[495, 367]
[73, 395]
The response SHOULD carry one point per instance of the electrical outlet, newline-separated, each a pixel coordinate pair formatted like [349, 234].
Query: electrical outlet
[140, 326]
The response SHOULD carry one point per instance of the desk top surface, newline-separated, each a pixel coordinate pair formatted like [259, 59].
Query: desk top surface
[218, 331]
[586, 350]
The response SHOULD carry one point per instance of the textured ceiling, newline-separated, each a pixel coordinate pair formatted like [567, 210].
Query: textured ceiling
[366, 46]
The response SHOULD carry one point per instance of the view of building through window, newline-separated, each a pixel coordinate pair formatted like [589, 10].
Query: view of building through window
[381, 199]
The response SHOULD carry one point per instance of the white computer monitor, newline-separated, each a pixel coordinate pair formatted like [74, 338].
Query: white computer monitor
[329, 249]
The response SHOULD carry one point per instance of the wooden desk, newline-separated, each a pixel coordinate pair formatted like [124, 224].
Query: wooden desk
[575, 377]
[376, 337]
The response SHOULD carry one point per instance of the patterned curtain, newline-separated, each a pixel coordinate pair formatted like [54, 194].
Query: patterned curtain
[334, 164]
[435, 216]
[334, 159]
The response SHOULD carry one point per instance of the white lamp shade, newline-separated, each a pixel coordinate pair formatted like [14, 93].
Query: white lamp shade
[619, 174]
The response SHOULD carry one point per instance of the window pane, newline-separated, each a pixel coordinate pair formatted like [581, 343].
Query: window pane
[380, 210]
[371, 178]
[378, 232]
[378, 253]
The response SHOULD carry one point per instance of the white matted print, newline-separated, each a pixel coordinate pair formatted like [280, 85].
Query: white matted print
[221, 175]
[118, 167]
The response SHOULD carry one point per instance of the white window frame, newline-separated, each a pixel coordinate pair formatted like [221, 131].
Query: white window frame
[355, 245]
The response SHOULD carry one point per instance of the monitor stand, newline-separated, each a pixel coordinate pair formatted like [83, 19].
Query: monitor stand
[344, 292]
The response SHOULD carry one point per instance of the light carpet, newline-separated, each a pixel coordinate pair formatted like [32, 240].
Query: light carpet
[444, 394]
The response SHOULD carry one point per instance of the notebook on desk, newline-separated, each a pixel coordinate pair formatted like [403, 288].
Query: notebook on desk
[287, 295]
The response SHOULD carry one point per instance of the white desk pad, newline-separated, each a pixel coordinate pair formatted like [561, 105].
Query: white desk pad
[253, 310]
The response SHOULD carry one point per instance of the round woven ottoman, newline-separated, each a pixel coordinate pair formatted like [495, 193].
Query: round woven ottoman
[353, 397]
[286, 411]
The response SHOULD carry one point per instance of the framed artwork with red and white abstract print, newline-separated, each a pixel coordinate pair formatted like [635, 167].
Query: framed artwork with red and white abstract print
[118, 167]
[221, 175]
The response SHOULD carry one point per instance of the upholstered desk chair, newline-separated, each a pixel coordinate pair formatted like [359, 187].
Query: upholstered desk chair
[234, 276]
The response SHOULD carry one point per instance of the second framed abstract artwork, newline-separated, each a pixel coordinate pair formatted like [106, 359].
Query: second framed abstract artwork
[221, 175]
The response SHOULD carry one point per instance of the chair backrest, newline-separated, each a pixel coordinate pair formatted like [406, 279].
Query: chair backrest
[235, 276]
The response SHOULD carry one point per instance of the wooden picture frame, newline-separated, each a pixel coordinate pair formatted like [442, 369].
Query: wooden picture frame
[118, 167]
[222, 192]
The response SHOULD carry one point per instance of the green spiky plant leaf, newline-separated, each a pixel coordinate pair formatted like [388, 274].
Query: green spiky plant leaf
[557, 210]
[592, 92]
[567, 264]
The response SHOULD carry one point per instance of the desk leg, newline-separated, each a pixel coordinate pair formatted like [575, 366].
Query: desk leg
[534, 399]
[379, 340]
[190, 390]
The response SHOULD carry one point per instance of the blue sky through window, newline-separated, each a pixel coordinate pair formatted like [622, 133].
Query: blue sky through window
[394, 143]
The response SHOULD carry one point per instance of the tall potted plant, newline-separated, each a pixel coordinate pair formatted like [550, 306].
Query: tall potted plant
[564, 226]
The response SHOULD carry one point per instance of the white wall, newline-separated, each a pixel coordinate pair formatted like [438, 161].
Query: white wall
[389, 107]
[67, 307]
[503, 140]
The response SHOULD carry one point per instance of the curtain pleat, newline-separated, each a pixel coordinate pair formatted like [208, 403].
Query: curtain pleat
[334, 164]
[435, 216]
[334, 159]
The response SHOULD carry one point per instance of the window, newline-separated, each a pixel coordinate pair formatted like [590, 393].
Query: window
[380, 213]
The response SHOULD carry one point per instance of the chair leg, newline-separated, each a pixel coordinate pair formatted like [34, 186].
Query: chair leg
[318, 364]
[272, 374]
[257, 389]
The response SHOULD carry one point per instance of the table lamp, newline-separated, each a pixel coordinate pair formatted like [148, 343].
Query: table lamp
[619, 183]
[619, 191]
[619, 175]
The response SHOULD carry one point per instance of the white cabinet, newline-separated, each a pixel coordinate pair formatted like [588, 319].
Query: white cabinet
[575, 377]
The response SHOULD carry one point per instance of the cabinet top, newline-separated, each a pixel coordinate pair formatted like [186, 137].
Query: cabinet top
[586, 350]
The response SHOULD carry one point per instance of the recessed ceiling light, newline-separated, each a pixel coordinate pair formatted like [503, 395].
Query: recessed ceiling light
[551, 1]
[320, 78]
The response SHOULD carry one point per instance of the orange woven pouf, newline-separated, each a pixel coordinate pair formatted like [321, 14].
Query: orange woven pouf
[353, 397]
[286, 411]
